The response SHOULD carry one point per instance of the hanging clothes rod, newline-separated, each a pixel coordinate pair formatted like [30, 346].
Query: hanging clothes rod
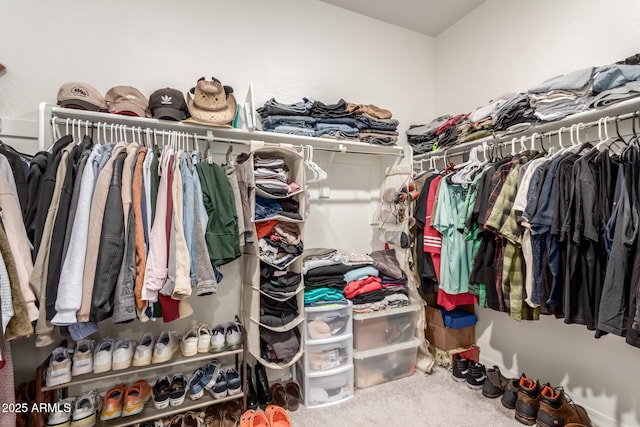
[542, 130]
[208, 133]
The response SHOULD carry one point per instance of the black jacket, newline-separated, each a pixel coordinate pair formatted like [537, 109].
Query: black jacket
[111, 249]
[19, 176]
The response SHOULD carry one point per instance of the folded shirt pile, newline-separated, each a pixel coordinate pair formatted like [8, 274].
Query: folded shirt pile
[280, 242]
[272, 176]
[342, 120]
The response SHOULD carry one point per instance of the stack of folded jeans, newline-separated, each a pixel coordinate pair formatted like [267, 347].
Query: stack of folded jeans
[269, 208]
[376, 130]
[334, 120]
[272, 176]
[615, 83]
[280, 243]
[288, 118]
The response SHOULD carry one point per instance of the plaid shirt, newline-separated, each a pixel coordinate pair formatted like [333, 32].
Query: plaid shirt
[502, 219]
[497, 181]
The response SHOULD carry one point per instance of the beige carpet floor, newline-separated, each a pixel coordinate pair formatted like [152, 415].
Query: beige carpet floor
[420, 400]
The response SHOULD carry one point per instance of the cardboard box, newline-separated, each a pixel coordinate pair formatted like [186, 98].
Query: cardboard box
[446, 338]
[444, 358]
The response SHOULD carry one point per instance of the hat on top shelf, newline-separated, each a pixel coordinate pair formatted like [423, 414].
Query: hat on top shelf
[210, 103]
[81, 96]
[126, 100]
[168, 104]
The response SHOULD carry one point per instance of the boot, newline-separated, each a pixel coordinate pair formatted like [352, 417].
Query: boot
[252, 397]
[556, 411]
[510, 395]
[262, 385]
[527, 403]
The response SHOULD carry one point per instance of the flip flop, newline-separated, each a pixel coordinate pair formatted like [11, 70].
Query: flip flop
[293, 396]
[278, 416]
[279, 395]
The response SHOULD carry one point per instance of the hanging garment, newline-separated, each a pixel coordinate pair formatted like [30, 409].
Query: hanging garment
[20, 324]
[139, 200]
[18, 165]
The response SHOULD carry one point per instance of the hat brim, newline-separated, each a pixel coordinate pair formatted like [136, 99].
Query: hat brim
[79, 104]
[218, 117]
[166, 113]
[128, 108]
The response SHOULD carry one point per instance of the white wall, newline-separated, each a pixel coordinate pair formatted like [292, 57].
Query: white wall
[287, 48]
[508, 46]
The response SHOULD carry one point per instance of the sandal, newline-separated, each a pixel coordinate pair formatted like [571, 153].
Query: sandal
[245, 419]
[279, 395]
[293, 396]
[231, 412]
[278, 416]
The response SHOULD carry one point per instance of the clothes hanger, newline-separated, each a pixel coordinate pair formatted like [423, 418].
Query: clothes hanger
[581, 146]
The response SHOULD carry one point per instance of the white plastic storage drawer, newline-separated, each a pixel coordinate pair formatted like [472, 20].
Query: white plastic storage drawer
[385, 327]
[328, 321]
[385, 364]
[326, 390]
[328, 354]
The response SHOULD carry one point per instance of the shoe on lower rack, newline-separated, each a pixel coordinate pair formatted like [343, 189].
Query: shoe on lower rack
[178, 389]
[219, 389]
[84, 410]
[61, 417]
[135, 398]
[476, 375]
[234, 384]
[210, 374]
[196, 389]
[113, 403]
[192, 419]
[161, 390]
[460, 368]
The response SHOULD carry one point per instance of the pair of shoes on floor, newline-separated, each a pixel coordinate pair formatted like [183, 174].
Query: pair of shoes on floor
[273, 416]
[286, 395]
[125, 401]
[226, 337]
[544, 405]
[469, 371]
[75, 411]
[169, 391]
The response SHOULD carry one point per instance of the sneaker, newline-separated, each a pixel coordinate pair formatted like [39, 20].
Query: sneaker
[528, 400]
[144, 350]
[189, 343]
[476, 375]
[135, 397]
[204, 338]
[84, 410]
[83, 358]
[196, 389]
[165, 348]
[103, 356]
[557, 409]
[234, 385]
[510, 395]
[219, 389]
[59, 370]
[178, 389]
[233, 336]
[113, 402]
[161, 392]
[217, 339]
[460, 368]
[495, 383]
[61, 417]
[210, 374]
[123, 354]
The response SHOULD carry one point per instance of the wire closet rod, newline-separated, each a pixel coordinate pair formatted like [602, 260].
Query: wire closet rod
[505, 140]
[78, 125]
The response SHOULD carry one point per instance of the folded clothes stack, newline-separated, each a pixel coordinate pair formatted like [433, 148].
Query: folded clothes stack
[342, 120]
[372, 282]
[280, 242]
[272, 176]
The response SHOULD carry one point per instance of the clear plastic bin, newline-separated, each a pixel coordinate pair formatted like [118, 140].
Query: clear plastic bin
[328, 321]
[385, 364]
[385, 327]
[328, 355]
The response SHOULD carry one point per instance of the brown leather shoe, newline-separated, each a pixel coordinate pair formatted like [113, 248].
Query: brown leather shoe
[527, 403]
[556, 411]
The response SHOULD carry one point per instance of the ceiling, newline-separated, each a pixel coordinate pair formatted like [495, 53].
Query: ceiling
[429, 17]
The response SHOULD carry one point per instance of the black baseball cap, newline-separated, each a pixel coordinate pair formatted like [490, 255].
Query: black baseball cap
[168, 104]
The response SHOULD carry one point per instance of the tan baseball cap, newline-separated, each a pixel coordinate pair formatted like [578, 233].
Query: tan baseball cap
[126, 100]
[81, 96]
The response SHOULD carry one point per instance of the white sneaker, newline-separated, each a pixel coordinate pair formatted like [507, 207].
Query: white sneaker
[165, 348]
[59, 371]
[123, 354]
[217, 339]
[189, 343]
[61, 417]
[233, 336]
[84, 410]
[204, 338]
[144, 350]
[103, 356]
[83, 358]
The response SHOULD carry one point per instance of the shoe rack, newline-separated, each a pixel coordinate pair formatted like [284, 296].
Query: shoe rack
[251, 291]
[149, 373]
